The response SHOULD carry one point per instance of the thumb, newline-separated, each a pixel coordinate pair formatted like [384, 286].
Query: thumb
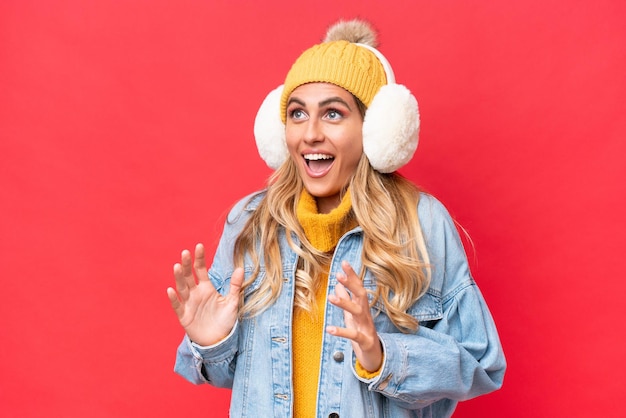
[236, 281]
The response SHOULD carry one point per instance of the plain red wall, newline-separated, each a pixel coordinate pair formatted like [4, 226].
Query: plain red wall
[126, 134]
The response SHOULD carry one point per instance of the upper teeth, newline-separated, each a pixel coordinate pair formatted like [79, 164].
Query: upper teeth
[318, 157]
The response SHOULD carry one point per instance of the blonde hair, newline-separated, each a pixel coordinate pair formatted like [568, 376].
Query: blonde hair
[394, 250]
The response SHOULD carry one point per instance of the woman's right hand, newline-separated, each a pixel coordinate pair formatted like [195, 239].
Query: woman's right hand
[206, 315]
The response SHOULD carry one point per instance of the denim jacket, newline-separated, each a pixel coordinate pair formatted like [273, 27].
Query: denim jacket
[455, 354]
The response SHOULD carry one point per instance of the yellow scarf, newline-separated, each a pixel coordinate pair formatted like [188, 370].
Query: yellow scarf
[323, 230]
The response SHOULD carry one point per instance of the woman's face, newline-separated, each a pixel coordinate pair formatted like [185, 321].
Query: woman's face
[325, 139]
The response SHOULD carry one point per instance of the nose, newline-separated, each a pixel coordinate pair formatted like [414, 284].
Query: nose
[313, 132]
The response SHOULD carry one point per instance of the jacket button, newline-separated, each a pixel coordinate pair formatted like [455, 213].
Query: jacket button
[333, 415]
[338, 357]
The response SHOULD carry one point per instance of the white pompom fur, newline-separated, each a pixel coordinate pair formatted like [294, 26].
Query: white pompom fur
[269, 131]
[391, 128]
[356, 31]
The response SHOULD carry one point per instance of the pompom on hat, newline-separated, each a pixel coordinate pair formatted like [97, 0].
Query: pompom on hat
[349, 59]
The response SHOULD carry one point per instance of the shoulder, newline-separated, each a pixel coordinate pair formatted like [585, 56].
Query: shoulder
[245, 206]
[447, 257]
[432, 213]
[439, 230]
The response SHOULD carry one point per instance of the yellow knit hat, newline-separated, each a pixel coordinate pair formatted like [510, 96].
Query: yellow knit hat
[345, 64]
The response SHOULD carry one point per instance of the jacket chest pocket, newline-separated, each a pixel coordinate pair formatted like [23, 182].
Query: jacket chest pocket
[427, 310]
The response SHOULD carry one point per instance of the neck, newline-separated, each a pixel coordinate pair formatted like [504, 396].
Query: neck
[327, 204]
[323, 230]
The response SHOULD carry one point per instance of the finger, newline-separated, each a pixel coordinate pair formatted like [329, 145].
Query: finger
[351, 280]
[367, 340]
[347, 268]
[341, 299]
[368, 350]
[350, 312]
[236, 281]
[349, 333]
[340, 290]
[181, 282]
[176, 305]
[185, 262]
[344, 300]
[199, 263]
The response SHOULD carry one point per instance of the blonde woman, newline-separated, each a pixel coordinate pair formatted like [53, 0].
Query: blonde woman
[340, 290]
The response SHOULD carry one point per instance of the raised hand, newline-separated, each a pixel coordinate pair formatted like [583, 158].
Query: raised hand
[360, 328]
[206, 315]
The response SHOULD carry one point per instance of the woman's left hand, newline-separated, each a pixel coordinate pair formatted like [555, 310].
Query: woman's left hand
[360, 327]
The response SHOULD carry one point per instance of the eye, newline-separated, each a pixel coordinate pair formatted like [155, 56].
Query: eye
[334, 114]
[297, 114]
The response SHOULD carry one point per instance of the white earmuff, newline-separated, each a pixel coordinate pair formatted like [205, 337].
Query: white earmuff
[390, 128]
[391, 124]
[269, 131]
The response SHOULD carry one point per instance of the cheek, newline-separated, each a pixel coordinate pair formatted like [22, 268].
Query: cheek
[355, 162]
[355, 156]
[290, 139]
[356, 148]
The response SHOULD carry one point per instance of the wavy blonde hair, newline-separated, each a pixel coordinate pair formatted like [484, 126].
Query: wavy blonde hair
[394, 251]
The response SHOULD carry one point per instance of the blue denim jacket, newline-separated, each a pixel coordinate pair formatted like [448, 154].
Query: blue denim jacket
[454, 355]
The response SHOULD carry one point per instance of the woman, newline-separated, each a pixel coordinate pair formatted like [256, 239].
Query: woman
[341, 290]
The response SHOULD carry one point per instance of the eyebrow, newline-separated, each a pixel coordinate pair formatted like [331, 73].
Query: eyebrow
[323, 103]
[333, 100]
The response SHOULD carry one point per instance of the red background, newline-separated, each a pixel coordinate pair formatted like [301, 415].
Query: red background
[126, 133]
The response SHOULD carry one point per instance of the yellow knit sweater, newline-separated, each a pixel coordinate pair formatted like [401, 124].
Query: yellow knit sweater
[323, 231]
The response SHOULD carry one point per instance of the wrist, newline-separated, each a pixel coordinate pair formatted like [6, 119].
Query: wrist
[372, 360]
[212, 341]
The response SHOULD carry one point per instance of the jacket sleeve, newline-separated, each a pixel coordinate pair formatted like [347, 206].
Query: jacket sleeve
[213, 364]
[456, 356]
[216, 364]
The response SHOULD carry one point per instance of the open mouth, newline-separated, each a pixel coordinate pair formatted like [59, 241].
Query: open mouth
[318, 163]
